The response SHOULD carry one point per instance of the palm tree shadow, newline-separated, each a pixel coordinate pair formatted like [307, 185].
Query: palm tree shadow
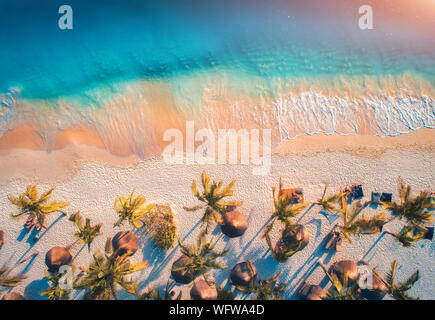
[312, 261]
[5, 264]
[191, 230]
[330, 216]
[22, 234]
[249, 243]
[373, 246]
[306, 211]
[318, 222]
[78, 252]
[32, 238]
[28, 265]
[32, 243]
[50, 226]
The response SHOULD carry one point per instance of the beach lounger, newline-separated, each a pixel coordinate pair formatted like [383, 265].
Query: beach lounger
[386, 197]
[429, 233]
[376, 197]
[295, 194]
[354, 191]
[358, 192]
[334, 241]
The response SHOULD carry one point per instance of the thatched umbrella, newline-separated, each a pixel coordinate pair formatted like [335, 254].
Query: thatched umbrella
[348, 266]
[125, 242]
[311, 292]
[57, 257]
[378, 288]
[243, 274]
[234, 223]
[184, 275]
[13, 296]
[202, 290]
[297, 234]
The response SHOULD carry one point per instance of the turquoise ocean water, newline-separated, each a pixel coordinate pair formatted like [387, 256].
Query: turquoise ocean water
[262, 46]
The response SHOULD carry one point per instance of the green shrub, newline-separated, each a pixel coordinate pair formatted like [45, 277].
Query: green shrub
[159, 224]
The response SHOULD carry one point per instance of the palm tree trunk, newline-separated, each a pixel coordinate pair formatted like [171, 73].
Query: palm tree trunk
[325, 270]
[63, 212]
[390, 233]
[21, 262]
[72, 245]
[118, 223]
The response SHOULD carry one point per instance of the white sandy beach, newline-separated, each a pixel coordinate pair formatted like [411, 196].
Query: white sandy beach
[93, 187]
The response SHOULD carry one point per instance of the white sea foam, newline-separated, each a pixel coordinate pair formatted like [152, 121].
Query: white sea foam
[311, 113]
[129, 117]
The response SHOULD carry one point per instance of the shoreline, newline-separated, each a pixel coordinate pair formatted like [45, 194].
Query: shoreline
[22, 155]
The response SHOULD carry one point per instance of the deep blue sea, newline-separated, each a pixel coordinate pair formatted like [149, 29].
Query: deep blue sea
[131, 39]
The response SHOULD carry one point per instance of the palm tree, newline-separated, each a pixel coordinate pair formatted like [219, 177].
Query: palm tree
[284, 210]
[267, 289]
[224, 294]
[154, 294]
[327, 203]
[415, 210]
[294, 236]
[407, 236]
[13, 281]
[340, 289]
[10, 281]
[354, 225]
[131, 209]
[55, 291]
[106, 272]
[399, 290]
[58, 256]
[86, 232]
[212, 197]
[197, 261]
[37, 208]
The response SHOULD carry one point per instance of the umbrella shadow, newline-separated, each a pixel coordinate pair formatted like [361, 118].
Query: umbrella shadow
[34, 288]
[312, 262]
